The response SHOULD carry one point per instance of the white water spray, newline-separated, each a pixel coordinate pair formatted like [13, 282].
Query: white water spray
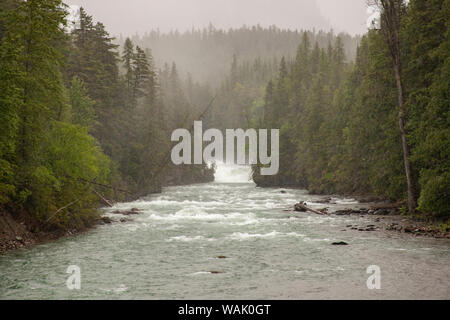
[232, 173]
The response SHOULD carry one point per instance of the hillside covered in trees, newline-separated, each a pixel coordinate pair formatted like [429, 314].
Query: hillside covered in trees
[207, 53]
[378, 125]
[81, 122]
[86, 118]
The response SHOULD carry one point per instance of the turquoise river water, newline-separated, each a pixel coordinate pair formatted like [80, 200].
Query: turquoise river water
[171, 251]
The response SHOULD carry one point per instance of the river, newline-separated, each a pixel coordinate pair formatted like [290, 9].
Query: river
[172, 250]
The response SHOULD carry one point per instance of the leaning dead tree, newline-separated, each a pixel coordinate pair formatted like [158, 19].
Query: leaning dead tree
[166, 160]
[391, 12]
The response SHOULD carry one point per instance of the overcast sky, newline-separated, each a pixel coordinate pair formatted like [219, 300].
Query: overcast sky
[130, 16]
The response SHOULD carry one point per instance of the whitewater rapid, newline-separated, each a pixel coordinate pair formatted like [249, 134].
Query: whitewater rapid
[228, 173]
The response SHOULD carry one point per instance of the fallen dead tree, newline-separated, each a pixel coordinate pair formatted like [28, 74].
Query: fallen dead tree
[301, 207]
[105, 201]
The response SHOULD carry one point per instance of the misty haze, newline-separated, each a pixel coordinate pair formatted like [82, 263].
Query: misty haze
[140, 16]
[135, 139]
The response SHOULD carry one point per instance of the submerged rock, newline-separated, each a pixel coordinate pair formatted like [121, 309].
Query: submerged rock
[326, 200]
[382, 212]
[132, 211]
[341, 243]
[104, 220]
[345, 212]
[394, 227]
[370, 227]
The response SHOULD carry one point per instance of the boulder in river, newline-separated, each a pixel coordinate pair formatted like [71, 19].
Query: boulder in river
[300, 207]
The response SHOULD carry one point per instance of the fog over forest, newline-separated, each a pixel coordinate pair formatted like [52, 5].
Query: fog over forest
[129, 17]
[202, 37]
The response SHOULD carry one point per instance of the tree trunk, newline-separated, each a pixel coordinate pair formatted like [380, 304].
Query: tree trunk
[391, 13]
[108, 203]
[412, 204]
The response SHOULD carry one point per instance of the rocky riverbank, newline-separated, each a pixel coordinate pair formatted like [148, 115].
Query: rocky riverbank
[384, 216]
[23, 231]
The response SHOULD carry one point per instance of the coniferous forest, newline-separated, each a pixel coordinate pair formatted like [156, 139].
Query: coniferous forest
[358, 123]
[82, 120]
[86, 118]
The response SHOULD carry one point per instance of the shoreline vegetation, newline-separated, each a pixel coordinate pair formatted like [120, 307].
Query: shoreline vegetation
[86, 119]
[83, 122]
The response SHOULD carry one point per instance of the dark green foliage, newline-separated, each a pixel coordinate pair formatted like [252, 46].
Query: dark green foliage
[10, 103]
[83, 112]
[426, 33]
[43, 156]
[72, 159]
[341, 134]
[64, 105]
[135, 111]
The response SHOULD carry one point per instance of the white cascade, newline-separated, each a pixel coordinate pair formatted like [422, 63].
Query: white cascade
[232, 173]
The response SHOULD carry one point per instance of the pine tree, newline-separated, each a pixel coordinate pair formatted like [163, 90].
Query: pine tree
[10, 105]
[426, 35]
[128, 57]
[36, 25]
[142, 74]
